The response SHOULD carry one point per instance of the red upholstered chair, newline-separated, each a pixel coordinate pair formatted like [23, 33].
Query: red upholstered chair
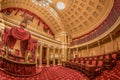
[94, 62]
[99, 67]
[85, 58]
[77, 61]
[16, 52]
[90, 58]
[87, 62]
[114, 55]
[82, 62]
[72, 61]
[114, 58]
[118, 55]
[101, 57]
[107, 57]
[95, 58]
[100, 63]
[81, 58]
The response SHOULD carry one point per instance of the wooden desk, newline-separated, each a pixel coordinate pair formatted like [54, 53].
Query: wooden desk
[107, 64]
[90, 70]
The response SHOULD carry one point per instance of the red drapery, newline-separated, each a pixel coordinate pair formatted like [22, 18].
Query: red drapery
[28, 12]
[20, 34]
[5, 36]
[32, 46]
[26, 42]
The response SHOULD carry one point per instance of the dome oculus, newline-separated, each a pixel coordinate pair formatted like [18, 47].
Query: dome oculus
[60, 5]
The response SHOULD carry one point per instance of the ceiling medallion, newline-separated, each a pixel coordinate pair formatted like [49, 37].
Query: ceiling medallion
[42, 2]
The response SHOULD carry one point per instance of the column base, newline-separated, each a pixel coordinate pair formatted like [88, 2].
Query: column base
[40, 66]
[47, 65]
[59, 64]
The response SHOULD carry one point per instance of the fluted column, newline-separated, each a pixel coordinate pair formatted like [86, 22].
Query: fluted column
[48, 56]
[59, 57]
[99, 46]
[77, 52]
[36, 56]
[88, 52]
[112, 41]
[53, 56]
[40, 56]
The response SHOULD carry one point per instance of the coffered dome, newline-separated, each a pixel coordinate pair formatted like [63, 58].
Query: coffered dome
[76, 17]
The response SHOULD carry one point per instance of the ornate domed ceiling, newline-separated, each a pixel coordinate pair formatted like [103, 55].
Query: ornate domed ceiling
[77, 17]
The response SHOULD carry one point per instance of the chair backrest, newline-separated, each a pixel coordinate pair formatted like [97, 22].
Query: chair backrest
[87, 62]
[114, 56]
[100, 63]
[94, 62]
[76, 62]
[82, 62]
[81, 58]
[90, 58]
[101, 57]
[85, 58]
[95, 58]
[72, 60]
[107, 57]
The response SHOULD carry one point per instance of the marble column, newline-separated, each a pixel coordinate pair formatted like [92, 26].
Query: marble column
[40, 56]
[88, 52]
[47, 56]
[36, 56]
[112, 41]
[59, 57]
[53, 56]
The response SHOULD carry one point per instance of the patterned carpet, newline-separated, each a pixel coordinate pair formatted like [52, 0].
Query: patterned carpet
[50, 73]
[62, 73]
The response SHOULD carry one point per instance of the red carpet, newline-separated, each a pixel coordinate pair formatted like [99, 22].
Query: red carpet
[50, 73]
[113, 74]
[62, 73]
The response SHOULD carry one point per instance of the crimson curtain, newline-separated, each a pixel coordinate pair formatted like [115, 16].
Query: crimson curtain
[26, 41]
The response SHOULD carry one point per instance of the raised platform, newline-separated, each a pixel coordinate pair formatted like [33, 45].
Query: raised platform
[20, 69]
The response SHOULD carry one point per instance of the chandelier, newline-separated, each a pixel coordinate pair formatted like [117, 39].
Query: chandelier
[42, 2]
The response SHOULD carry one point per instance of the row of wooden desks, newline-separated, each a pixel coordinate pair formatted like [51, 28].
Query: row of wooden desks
[89, 70]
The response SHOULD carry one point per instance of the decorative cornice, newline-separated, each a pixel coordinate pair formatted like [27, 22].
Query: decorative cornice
[42, 38]
[10, 9]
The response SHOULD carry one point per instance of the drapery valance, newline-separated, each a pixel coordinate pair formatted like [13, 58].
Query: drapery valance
[20, 34]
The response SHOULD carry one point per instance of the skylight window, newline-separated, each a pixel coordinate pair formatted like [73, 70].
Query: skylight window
[60, 5]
